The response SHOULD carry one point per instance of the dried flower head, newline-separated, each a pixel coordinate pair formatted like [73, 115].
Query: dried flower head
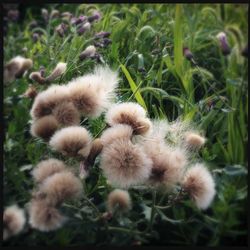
[46, 168]
[118, 200]
[44, 217]
[61, 186]
[66, 114]
[13, 221]
[57, 71]
[44, 127]
[93, 93]
[90, 51]
[46, 100]
[125, 164]
[30, 92]
[72, 141]
[129, 113]
[118, 131]
[199, 184]
[194, 140]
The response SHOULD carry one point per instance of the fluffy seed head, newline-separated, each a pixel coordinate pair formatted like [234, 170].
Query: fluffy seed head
[46, 100]
[118, 199]
[58, 71]
[13, 221]
[125, 164]
[129, 113]
[89, 51]
[93, 93]
[46, 168]
[199, 184]
[118, 131]
[194, 140]
[44, 127]
[43, 217]
[37, 77]
[72, 141]
[66, 114]
[61, 186]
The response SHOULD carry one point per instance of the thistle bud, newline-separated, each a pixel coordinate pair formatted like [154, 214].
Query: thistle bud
[45, 14]
[90, 51]
[96, 16]
[36, 77]
[42, 71]
[223, 43]
[80, 19]
[30, 92]
[187, 53]
[54, 14]
[102, 34]
[61, 29]
[35, 37]
[83, 28]
[73, 20]
[58, 71]
[106, 42]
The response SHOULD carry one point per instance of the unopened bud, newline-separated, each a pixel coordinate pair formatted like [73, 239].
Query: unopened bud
[223, 43]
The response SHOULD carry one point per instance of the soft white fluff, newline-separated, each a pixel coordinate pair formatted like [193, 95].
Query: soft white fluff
[199, 183]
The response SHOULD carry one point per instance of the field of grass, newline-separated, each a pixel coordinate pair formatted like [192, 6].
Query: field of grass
[147, 49]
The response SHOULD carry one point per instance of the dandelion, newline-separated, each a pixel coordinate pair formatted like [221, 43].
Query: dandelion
[199, 184]
[72, 141]
[90, 51]
[93, 93]
[118, 200]
[46, 168]
[194, 140]
[13, 221]
[47, 100]
[30, 92]
[119, 131]
[44, 217]
[222, 37]
[66, 114]
[129, 113]
[44, 127]
[125, 164]
[61, 186]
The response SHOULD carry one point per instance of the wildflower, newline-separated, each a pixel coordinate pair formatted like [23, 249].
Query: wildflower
[44, 127]
[194, 140]
[88, 52]
[54, 14]
[118, 200]
[188, 55]
[106, 42]
[57, 71]
[35, 37]
[46, 100]
[13, 221]
[66, 114]
[118, 131]
[31, 92]
[85, 27]
[46, 168]
[93, 93]
[61, 186]
[16, 67]
[80, 19]
[131, 114]
[61, 29]
[244, 51]
[13, 15]
[45, 14]
[66, 15]
[125, 164]
[102, 34]
[72, 141]
[223, 43]
[42, 71]
[96, 16]
[44, 217]
[199, 184]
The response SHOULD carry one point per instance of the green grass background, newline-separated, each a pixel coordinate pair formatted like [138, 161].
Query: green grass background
[148, 36]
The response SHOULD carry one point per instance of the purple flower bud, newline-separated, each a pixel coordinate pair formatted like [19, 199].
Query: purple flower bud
[102, 34]
[80, 19]
[45, 14]
[106, 42]
[61, 29]
[13, 15]
[90, 51]
[223, 43]
[187, 53]
[35, 37]
[73, 20]
[42, 71]
[96, 16]
[99, 44]
[244, 51]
